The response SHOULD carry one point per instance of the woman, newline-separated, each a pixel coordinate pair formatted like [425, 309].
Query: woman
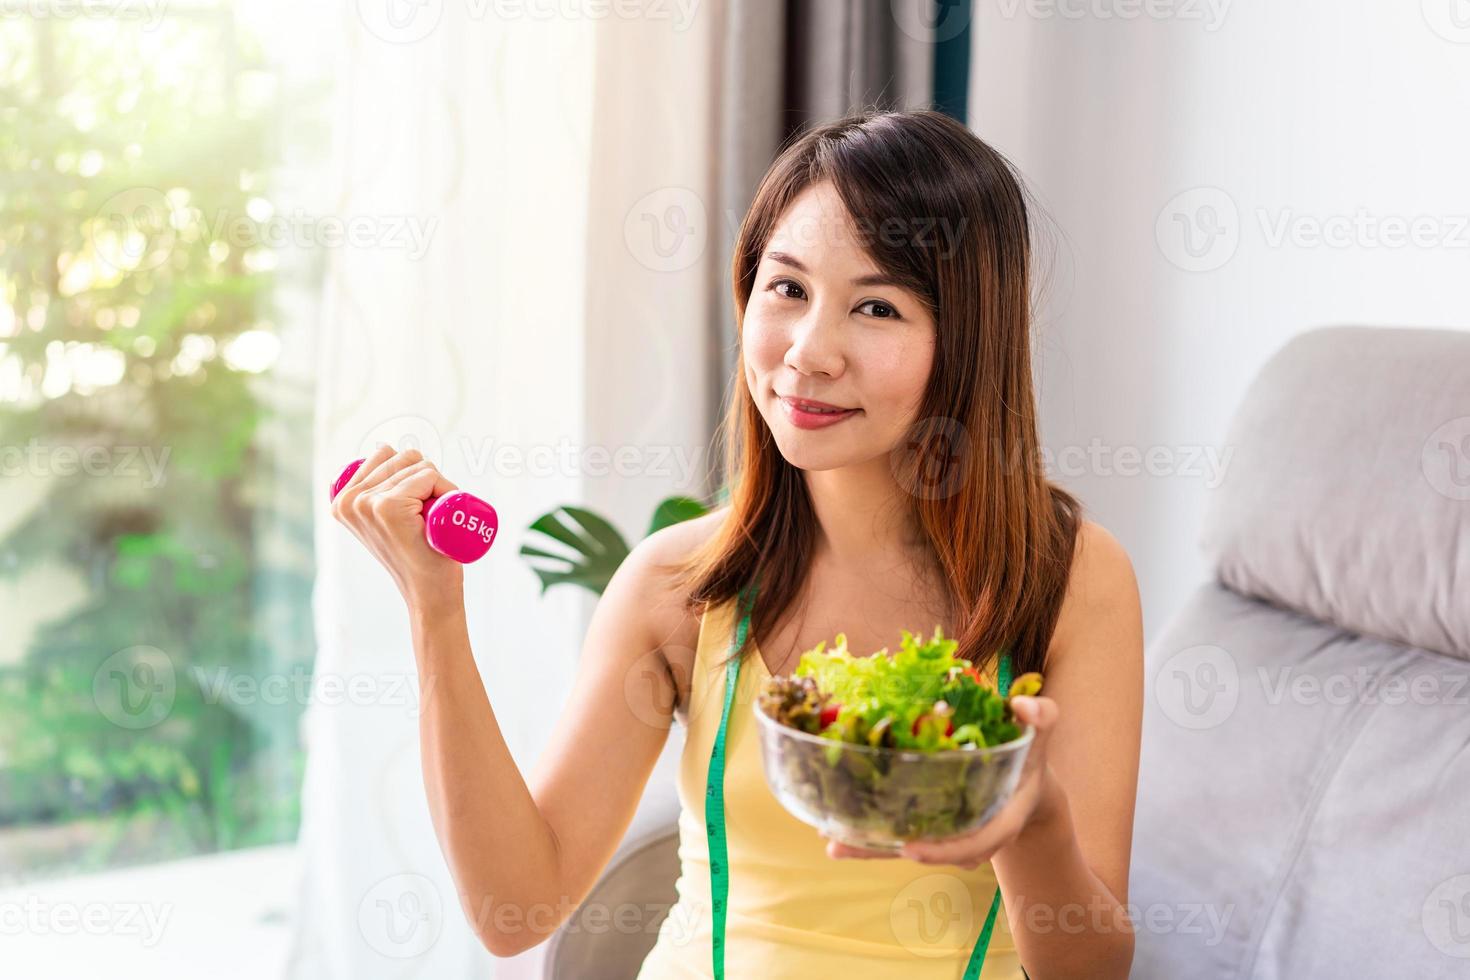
[886, 474]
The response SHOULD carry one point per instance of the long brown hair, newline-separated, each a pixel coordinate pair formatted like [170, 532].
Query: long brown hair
[1003, 535]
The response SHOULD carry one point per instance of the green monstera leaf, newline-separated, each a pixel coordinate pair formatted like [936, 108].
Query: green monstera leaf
[592, 549]
[585, 549]
[673, 510]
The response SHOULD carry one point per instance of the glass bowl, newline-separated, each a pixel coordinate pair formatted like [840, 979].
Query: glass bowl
[882, 798]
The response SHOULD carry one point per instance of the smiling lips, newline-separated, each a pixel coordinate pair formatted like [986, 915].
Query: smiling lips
[805, 413]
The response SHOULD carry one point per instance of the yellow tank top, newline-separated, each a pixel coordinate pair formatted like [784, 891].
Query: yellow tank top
[792, 909]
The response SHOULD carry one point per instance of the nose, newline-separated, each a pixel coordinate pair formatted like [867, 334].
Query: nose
[816, 344]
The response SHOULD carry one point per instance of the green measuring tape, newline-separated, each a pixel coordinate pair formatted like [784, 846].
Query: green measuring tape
[714, 808]
[714, 796]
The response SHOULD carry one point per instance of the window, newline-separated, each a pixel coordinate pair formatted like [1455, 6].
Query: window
[155, 533]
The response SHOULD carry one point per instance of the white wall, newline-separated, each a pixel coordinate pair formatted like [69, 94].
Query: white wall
[1339, 116]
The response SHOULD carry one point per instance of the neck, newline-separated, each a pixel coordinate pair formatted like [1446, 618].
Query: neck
[864, 519]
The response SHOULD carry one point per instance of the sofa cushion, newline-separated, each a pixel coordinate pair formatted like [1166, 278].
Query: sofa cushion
[1347, 490]
[1301, 801]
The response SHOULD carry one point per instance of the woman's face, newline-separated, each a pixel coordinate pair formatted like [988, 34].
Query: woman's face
[824, 329]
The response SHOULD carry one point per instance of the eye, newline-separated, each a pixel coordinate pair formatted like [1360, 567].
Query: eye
[777, 284]
[876, 308]
[880, 309]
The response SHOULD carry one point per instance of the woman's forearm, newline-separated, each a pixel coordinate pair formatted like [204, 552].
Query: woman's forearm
[500, 849]
[1065, 920]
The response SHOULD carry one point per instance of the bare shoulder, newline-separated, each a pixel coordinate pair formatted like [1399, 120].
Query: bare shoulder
[1101, 607]
[678, 542]
[647, 579]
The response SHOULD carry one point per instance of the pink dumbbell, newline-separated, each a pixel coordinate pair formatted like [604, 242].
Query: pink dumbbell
[459, 525]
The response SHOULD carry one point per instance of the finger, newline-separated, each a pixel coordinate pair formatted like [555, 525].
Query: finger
[1035, 710]
[1040, 713]
[377, 456]
[421, 483]
[394, 479]
[837, 849]
[389, 466]
[969, 851]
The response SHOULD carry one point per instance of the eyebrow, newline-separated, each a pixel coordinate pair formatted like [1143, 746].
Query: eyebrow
[877, 279]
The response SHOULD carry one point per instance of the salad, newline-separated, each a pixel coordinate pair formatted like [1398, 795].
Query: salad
[922, 698]
[888, 748]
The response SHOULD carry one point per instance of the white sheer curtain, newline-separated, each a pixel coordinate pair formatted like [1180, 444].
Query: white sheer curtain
[516, 326]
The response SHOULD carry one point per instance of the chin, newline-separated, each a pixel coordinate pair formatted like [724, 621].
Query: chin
[815, 450]
[814, 461]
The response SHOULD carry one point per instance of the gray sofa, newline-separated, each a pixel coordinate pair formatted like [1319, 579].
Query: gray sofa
[1304, 797]
[617, 923]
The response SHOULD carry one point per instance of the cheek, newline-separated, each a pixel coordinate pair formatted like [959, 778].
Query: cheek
[899, 372]
[762, 344]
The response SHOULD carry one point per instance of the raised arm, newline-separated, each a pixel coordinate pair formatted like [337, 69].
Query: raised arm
[524, 853]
